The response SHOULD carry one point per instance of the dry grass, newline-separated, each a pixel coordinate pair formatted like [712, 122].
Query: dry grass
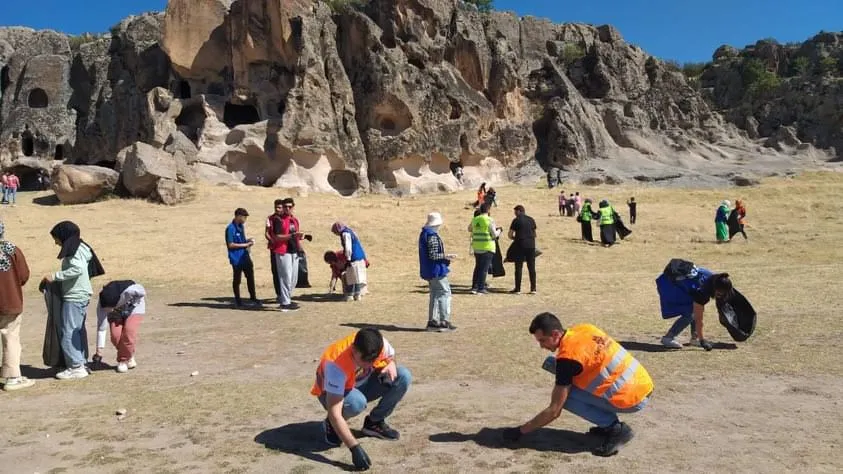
[256, 366]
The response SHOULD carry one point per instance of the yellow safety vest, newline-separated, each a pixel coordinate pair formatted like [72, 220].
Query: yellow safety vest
[585, 214]
[481, 235]
[607, 215]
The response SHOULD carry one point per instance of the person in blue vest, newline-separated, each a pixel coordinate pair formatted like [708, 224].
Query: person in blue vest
[238, 256]
[356, 256]
[434, 268]
[684, 290]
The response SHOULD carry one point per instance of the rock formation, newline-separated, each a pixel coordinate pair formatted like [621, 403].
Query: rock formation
[390, 95]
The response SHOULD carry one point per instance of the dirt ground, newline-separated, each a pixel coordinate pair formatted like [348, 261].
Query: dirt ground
[771, 404]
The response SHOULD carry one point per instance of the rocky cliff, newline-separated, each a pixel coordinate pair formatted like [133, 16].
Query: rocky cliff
[386, 95]
[787, 95]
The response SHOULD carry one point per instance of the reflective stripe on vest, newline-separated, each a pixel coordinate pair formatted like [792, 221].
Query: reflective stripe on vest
[481, 237]
[606, 215]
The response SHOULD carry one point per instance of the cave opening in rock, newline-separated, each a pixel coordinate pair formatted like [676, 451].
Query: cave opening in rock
[282, 107]
[106, 164]
[27, 143]
[344, 181]
[464, 142]
[38, 98]
[184, 90]
[5, 80]
[28, 178]
[456, 109]
[387, 124]
[191, 120]
[236, 114]
[59, 154]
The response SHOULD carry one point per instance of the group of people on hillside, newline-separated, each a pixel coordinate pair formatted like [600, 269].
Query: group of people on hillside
[288, 258]
[610, 222]
[486, 196]
[729, 222]
[67, 294]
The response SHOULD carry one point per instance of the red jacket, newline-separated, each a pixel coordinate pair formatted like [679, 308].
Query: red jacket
[280, 246]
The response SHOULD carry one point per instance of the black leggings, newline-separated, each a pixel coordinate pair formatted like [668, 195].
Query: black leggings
[246, 266]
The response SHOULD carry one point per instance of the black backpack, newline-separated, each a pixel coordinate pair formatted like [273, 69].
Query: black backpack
[678, 269]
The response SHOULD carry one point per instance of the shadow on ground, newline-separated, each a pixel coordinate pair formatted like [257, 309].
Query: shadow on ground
[36, 373]
[220, 302]
[304, 439]
[544, 439]
[649, 347]
[384, 327]
[49, 200]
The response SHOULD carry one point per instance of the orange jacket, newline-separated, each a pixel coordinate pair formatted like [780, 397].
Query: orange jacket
[609, 371]
[340, 354]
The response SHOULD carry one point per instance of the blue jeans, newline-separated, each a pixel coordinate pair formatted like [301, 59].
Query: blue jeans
[74, 336]
[597, 410]
[390, 394]
[440, 300]
[11, 195]
[482, 264]
[680, 324]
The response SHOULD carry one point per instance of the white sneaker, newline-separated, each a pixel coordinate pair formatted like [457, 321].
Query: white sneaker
[131, 363]
[17, 383]
[73, 373]
[671, 343]
[349, 298]
[358, 297]
[122, 368]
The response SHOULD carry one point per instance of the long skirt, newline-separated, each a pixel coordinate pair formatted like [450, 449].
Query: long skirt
[721, 231]
[607, 234]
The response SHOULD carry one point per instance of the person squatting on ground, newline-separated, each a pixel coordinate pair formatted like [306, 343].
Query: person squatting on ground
[483, 234]
[596, 379]
[239, 256]
[584, 218]
[14, 273]
[352, 372]
[355, 274]
[120, 309]
[77, 261]
[522, 231]
[286, 244]
[434, 266]
[691, 289]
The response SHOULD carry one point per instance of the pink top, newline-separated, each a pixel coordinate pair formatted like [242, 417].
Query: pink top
[562, 199]
[13, 182]
[4, 179]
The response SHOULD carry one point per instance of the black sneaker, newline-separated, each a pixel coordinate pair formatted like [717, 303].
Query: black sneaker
[433, 326]
[379, 430]
[446, 326]
[618, 435]
[598, 431]
[331, 436]
[289, 307]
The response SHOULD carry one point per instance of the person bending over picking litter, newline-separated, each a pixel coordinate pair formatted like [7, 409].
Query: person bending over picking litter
[353, 371]
[596, 379]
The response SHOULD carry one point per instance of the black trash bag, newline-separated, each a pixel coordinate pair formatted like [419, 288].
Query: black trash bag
[497, 270]
[622, 230]
[737, 315]
[303, 281]
[678, 269]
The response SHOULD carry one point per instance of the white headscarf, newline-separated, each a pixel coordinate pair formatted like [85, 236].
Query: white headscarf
[726, 203]
[7, 250]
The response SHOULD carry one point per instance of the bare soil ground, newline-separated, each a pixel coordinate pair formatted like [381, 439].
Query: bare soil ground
[769, 405]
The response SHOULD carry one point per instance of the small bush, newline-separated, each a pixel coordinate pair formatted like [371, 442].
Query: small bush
[572, 52]
[482, 5]
[693, 70]
[801, 66]
[78, 40]
[828, 66]
[757, 78]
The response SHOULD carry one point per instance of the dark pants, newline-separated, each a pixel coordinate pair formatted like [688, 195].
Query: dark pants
[482, 263]
[245, 266]
[733, 233]
[586, 231]
[632, 216]
[275, 281]
[529, 256]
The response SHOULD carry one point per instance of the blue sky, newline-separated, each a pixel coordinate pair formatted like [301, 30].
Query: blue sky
[684, 30]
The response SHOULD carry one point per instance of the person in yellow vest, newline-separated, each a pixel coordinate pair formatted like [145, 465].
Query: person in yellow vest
[586, 214]
[483, 234]
[607, 223]
[353, 371]
[596, 379]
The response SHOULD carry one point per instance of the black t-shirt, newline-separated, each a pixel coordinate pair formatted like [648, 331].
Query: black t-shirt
[525, 231]
[566, 370]
[632, 206]
[704, 294]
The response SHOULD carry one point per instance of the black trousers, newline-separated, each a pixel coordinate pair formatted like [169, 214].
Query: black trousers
[246, 266]
[586, 231]
[529, 256]
[275, 281]
[632, 216]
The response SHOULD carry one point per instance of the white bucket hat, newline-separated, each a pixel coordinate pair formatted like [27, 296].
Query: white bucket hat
[434, 219]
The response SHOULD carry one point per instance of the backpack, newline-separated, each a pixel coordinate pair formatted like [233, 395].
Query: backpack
[677, 270]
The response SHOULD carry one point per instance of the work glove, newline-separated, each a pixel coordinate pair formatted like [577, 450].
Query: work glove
[706, 345]
[512, 434]
[360, 458]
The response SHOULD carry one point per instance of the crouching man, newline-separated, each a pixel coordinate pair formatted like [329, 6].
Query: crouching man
[596, 379]
[352, 372]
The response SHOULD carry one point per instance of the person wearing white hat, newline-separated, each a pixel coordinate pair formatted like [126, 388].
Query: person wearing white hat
[434, 268]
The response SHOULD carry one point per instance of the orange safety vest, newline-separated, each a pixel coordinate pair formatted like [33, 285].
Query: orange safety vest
[340, 354]
[609, 371]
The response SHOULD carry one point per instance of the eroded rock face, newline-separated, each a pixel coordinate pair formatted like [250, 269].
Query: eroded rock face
[390, 96]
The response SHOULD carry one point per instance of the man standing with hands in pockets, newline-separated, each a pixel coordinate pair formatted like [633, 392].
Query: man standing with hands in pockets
[238, 255]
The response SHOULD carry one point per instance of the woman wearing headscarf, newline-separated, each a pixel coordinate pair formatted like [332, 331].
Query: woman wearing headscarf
[14, 272]
[78, 261]
[721, 222]
[352, 248]
[736, 220]
[584, 217]
[606, 214]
